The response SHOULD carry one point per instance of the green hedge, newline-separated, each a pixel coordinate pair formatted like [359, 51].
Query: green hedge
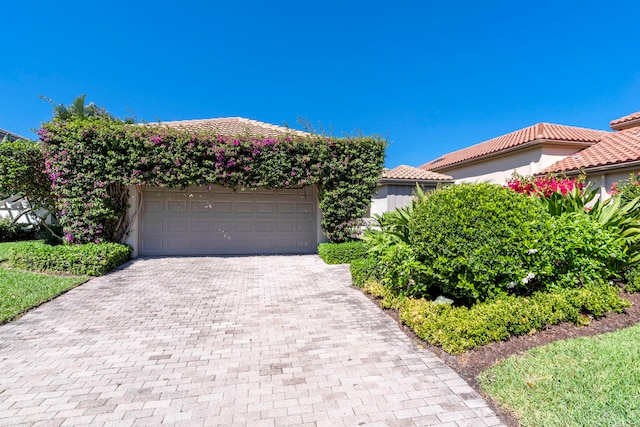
[92, 259]
[342, 253]
[457, 329]
[363, 269]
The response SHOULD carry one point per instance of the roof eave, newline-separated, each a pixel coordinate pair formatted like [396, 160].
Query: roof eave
[626, 125]
[601, 168]
[530, 144]
[406, 181]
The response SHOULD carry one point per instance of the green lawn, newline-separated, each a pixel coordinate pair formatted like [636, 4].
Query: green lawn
[580, 382]
[22, 290]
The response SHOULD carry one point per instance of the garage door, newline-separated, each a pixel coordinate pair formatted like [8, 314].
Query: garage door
[198, 221]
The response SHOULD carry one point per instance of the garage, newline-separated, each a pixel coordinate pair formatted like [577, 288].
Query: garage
[221, 221]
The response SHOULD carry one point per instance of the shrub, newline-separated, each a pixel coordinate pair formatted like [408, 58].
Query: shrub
[457, 329]
[89, 259]
[476, 240]
[386, 297]
[632, 278]
[342, 253]
[11, 232]
[401, 271]
[364, 269]
[582, 251]
[628, 189]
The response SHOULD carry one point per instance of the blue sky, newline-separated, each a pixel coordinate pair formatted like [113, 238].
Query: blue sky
[431, 76]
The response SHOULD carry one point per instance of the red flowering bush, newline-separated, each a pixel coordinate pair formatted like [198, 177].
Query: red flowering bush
[544, 186]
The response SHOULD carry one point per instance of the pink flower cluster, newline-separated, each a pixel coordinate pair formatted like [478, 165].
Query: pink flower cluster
[543, 186]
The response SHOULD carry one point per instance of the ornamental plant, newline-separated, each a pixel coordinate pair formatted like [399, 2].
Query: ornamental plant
[544, 186]
[91, 160]
[478, 241]
[628, 189]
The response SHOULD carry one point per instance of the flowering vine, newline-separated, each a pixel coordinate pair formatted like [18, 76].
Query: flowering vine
[91, 161]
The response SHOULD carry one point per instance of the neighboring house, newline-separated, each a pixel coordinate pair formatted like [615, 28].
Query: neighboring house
[612, 159]
[397, 187]
[9, 135]
[606, 156]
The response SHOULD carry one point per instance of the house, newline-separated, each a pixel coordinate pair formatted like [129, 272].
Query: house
[219, 220]
[397, 186]
[203, 221]
[6, 135]
[605, 156]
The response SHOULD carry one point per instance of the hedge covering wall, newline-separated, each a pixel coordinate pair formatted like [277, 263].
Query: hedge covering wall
[91, 161]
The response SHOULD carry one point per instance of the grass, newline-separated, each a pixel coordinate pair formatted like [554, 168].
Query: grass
[579, 382]
[23, 290]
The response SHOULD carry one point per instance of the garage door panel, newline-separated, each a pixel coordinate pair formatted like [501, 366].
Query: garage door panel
[242, 225]
[221, 221]
[285, 225]
[266, 226]
[176, 206]
[305, 244]
[200, 225]
[244, 207]
[177, 225]
[264, 207]
[151, 225]
[153, 206]
[222, 207]
[304, 226]
[151, 245]
[200, 206]
[305, 208]
[285, 207]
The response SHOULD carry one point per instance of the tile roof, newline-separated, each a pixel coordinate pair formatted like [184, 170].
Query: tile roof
[231, 126]
[615, 148]
[632, 120]
[537, 132]
[404, 172]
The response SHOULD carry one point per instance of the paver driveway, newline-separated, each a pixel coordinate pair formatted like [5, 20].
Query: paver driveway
[256, 341]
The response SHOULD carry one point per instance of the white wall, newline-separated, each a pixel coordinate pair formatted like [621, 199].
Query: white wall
[605, 180]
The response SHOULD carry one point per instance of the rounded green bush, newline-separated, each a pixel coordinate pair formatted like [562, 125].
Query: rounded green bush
[479, 241]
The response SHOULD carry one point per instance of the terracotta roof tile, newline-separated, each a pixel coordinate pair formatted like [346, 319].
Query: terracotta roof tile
[615, 148]
[403, 172]
[540, 131]
[626, 122]
[231, 126]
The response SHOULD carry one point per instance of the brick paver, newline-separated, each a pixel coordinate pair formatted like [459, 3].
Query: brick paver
[234, 341]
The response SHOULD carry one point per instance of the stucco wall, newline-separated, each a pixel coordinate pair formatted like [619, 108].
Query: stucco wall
[499, 169]
[604, 180]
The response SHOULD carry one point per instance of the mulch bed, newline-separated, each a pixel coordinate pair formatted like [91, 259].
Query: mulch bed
[471, 363]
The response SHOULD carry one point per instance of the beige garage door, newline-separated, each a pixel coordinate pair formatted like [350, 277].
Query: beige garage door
[198, 221]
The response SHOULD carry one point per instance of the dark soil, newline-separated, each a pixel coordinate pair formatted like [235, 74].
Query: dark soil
[471, 363]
